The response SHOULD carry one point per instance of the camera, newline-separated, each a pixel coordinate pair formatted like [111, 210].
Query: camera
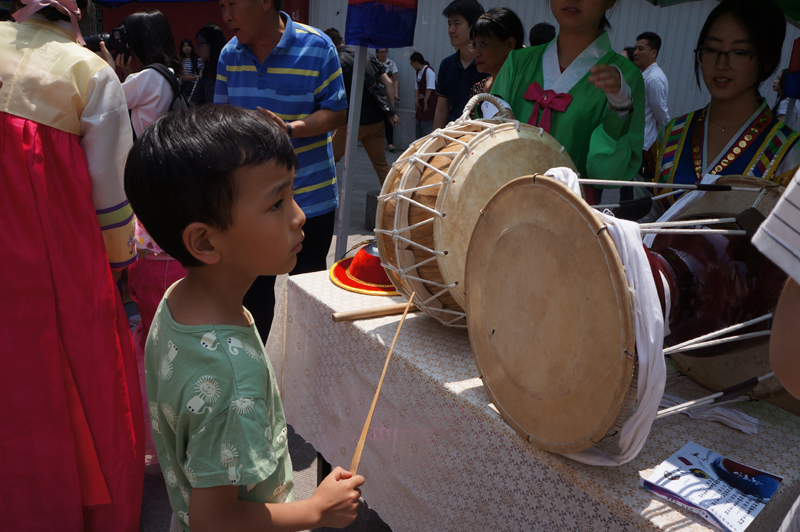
[116, 41]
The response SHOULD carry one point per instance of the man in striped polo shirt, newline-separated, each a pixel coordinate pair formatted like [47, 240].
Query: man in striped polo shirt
[290, 72]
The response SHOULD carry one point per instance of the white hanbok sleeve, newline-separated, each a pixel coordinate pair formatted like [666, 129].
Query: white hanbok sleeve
[106, 139]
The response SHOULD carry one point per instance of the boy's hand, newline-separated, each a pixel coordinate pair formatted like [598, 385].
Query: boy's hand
[605, 78]
[336, 498]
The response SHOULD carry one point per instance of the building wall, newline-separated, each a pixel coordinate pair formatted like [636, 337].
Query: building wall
[678, 27]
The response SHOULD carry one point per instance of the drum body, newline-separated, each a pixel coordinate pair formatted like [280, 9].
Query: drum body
[723, 280]
[550, 316]
[432, 198]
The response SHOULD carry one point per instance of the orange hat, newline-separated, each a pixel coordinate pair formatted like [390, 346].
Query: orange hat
[363, 273]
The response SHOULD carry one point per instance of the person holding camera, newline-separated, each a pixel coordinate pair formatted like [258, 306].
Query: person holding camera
[148, 92]
[72, 430]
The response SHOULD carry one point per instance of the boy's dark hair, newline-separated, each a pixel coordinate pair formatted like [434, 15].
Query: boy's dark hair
[334, 36]
[469, 9]
[653, 40]
[151, 39]
[418, 58]
[500, 23]
[764, 23]
[278, 4]
[181, 170]
[541, 33]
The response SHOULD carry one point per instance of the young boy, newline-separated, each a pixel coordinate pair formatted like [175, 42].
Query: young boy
[213, 186]
[457, 73]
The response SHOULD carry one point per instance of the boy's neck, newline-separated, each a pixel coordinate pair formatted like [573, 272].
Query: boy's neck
[465, 55]
[209, 297]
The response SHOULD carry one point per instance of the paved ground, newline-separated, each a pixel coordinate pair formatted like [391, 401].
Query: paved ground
[156, 511]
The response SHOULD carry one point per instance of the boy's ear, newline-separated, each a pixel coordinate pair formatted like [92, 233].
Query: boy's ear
[199, 240]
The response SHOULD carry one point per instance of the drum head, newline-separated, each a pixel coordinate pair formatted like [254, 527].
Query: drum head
[549, 315]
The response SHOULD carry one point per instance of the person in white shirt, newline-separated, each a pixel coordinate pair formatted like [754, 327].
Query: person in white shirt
[656, 86]
[390, 67]
[779, 239]
[782, 104]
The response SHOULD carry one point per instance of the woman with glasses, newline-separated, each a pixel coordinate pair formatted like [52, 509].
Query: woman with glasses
[736, 133]
[577, 88]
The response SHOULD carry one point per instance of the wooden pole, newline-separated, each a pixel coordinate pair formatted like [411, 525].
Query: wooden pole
[363, 438]
[375, 312]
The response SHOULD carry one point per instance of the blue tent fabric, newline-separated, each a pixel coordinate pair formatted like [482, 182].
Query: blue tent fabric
[380, 25]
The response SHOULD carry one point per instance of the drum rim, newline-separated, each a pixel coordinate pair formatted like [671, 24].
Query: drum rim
[489, 128]
[624, 302]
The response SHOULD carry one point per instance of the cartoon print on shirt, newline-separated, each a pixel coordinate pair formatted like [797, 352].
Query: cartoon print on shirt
[229, 457]
[243, 405]
[282, 436]
[169, 415]
[234, 475]
[153, 407]
[208, 340]
[234, 344]
[187, 471]
[166, 361]
[170, 477]
[207, 390]
[154, 328]
[187, 495]
[281, 493]
[254, 353]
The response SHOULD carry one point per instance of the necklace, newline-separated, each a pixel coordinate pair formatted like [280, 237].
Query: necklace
[725, 127]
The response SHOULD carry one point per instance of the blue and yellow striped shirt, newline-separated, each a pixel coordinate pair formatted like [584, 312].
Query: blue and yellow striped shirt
[301, 75]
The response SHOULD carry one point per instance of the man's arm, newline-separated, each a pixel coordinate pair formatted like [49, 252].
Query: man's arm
[317, 123]
[442, 112]
[388, 86]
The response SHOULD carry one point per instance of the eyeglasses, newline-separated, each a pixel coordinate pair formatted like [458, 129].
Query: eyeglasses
[480, 46]
[708, 57]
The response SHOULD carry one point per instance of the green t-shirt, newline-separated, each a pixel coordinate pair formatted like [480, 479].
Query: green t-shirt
[215, 411]
[600, 143]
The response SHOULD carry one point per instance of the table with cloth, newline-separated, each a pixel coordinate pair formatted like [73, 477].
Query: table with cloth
[439, 456]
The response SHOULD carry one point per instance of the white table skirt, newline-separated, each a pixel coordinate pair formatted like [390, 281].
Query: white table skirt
[440, 457]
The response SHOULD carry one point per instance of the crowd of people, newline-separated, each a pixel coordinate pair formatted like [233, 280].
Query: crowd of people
[201, 191]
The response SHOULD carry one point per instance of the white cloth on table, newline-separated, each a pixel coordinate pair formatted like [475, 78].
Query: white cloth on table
[735, 419]
[649, 323]
[779, 236]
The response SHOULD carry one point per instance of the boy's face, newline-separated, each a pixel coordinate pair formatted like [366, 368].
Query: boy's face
[458, 31]
[266, 234]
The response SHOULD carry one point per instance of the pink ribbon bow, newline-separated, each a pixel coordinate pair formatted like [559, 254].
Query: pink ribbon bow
[68, 7]
[546, 100]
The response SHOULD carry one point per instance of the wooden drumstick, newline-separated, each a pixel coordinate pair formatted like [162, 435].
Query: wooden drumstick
[375, 312]
[363, 438]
